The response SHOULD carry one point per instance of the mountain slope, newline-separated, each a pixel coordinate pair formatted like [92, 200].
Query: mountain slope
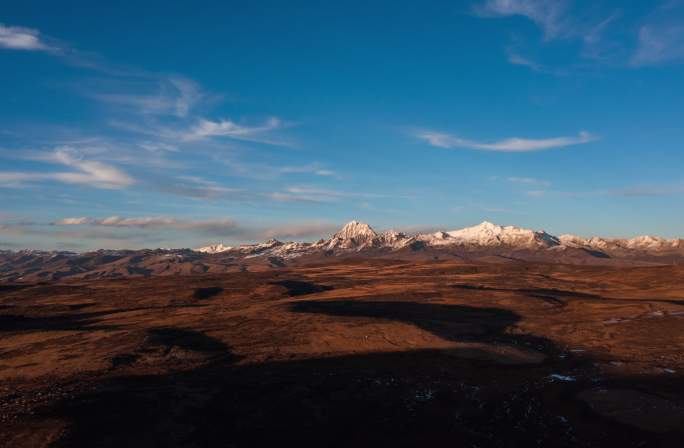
[485, 242]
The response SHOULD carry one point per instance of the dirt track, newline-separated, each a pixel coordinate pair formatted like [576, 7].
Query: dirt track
[368, 353]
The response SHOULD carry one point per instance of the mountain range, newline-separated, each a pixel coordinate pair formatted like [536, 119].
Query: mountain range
[485, 242]
[359, 237]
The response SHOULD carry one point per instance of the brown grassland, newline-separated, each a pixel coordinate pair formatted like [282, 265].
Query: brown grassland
[355, 353]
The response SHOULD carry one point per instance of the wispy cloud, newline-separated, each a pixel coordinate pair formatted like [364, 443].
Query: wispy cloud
[317, 198]
[515, 58]
[549, 15]
[91, 173]
[652, 190]
[230, 129]
[529, 181]
[628, 192]
[299, 230]
[174, 95]
[503, 210]
[311, 168]
[659, 44]
[19, 38]
[86, 172]
[600, 37]
[513, 144]
[217, 228]
[318, 195]
[206, 130]
[73, 221]
[196, 187]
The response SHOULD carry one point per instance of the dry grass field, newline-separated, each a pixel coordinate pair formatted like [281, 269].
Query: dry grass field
[366, 353]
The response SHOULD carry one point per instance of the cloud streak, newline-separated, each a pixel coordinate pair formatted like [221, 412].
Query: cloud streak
[318, 195]
[513, 144]
[659, 44]
[85, 172]
[216, 228]
[175, 96]
[196, 187]
[230, 129]
[19, 38]
[599, 31]
[529, 181]
[547, 14]
[627, 192]
[312, 168]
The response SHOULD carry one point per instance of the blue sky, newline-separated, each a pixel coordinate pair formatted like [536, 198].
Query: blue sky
[152, 124]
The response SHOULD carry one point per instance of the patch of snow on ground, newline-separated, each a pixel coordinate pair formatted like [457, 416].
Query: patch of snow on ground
[559, 377]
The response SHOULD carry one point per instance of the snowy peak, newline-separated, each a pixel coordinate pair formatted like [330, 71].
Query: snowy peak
[650, 242]
[639, 243]
[214, 249]
[355, 230]
[488, 234]
[356, 236]
[393, 238]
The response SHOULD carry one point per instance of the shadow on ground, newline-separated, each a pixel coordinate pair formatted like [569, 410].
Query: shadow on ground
[207, 293]
[300, 288]
[412, 398]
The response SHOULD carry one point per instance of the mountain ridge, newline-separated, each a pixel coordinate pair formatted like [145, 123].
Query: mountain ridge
[482, 243]
[358, 235]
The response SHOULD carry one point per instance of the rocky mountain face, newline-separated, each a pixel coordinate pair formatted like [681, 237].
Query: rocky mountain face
[357, 236]
[485, 242]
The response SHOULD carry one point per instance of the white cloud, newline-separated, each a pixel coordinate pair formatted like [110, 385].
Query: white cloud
[299, 230]
[74, 221]
[227, 128]
[16, 179]
[206, 130]
[547, 14]
[289, 197]
[91, 173]
[529, 181]
[175, 96]
[117, 221]
[659, 44]
[18, 38]
[198, 188]
[306, 194]
[600, 37]
[320, 195]
[671, 189]
[513, 144]
[211, 227]
[86, 172]
[312, 168]
[158, 147]
[516, 58]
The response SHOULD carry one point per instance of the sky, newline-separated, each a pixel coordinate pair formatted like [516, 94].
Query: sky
[173, 124]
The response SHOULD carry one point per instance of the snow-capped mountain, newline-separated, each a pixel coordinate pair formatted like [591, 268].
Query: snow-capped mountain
[639, 243]
[214, 248]
[485, 242]
[355, 230]
[356, 236]
[488, 234]
[353, 235]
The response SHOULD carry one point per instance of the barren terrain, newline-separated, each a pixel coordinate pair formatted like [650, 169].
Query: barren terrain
[348, 353]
